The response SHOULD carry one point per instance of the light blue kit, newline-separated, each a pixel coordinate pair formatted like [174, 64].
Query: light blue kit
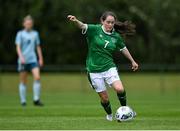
[28, 40]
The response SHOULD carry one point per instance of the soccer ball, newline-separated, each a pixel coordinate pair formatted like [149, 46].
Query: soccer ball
[124, 113]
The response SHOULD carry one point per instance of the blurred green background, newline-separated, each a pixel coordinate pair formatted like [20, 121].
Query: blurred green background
[156, 41]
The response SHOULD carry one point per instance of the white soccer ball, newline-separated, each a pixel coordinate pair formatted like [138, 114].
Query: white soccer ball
[124, 113]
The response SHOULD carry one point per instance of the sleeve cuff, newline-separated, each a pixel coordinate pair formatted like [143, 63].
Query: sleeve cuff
[123, 48]
[85, 29]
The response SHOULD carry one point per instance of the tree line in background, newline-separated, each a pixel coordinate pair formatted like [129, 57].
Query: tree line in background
[157, 39]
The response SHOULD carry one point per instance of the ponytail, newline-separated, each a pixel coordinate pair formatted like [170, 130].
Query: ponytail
[126, 28]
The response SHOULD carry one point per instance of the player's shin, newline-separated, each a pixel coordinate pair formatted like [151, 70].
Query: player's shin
[122, 98]
[107, 107]
[36, 90]
[22, 92]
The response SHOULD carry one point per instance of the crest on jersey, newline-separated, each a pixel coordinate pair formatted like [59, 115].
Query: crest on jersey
[101, 36]
[113, 40]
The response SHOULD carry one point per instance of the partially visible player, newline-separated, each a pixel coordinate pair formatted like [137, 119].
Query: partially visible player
[27, 44]
[103, 39]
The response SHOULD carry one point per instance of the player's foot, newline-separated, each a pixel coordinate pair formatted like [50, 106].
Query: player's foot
[109, 117]
[23, 104]
[38, 103]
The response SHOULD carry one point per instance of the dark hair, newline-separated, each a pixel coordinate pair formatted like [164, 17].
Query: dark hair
[124, 28]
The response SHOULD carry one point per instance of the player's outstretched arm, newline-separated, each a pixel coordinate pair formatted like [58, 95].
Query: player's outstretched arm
[127, 54]
[80, 24]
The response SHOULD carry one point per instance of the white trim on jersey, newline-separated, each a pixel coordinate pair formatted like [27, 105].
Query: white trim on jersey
[123, 48]
[108, 33]
[85, 29]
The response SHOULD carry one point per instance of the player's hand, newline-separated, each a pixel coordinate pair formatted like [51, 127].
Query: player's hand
[41, 62]
[22, 60]
[71, 18]
[134, 66]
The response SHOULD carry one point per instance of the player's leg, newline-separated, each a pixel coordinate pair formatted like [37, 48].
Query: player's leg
[36, 86]
[22, 87]
[98, 85]
[105, 101]
[112, 78]
[121, 93]
[106, 104]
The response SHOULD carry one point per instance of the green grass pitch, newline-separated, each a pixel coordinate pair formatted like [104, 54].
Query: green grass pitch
[70, 103]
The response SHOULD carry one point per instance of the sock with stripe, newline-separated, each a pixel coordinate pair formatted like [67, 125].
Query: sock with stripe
[122, 98]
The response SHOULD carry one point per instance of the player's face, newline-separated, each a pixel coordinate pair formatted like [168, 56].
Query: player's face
[108, 23]
[28, 24]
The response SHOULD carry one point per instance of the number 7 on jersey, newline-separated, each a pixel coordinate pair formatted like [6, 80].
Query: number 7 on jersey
[106, 43]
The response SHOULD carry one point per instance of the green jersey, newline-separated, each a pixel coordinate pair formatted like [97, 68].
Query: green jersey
[101, 46]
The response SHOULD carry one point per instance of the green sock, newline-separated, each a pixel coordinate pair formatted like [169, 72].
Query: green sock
[107, 107]
[122, 98]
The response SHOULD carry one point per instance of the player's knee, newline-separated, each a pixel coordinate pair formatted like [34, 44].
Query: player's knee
[119, 90]
[37, 78]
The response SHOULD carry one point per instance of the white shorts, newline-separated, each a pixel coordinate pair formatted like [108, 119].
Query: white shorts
[99, 80]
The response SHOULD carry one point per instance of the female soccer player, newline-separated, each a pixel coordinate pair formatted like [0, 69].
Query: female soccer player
[27, 42]
[103, 39]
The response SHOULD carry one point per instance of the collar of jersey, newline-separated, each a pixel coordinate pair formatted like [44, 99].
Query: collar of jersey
[108, 33]
[27, 30]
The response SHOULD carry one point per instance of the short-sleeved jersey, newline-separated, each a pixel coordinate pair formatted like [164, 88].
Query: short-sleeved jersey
[28, 40]
[101, 46]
